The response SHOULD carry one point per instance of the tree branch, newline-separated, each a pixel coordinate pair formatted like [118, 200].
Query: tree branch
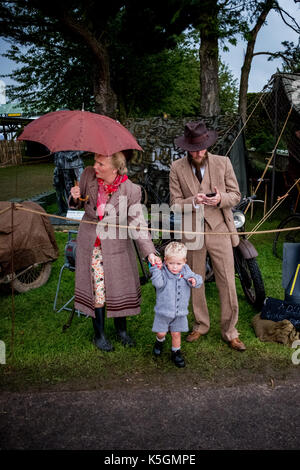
[276, 55]
[295, 28]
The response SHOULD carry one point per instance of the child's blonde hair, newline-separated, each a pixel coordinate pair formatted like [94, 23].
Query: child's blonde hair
[176, 249]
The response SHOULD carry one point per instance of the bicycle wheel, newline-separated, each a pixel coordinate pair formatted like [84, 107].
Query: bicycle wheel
[288, 236]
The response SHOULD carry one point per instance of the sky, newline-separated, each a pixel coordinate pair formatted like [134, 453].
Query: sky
[269, 39]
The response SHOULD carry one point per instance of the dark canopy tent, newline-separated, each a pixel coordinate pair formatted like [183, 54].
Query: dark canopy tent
[283, 97]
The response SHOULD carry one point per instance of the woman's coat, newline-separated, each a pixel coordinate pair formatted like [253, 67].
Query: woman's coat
[122, 285]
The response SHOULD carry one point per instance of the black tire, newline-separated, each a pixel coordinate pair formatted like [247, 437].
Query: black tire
[251, 280]
[292, 236]
[33, 278]
[209, 273]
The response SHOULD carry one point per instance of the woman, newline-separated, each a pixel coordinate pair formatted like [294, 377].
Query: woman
[106, 268]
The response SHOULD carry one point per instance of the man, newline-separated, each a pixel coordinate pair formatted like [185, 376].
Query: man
[68, 169]
[201, 178]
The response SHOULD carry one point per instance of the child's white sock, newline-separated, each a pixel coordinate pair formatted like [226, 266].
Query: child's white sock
[161, 339]
[175, 349]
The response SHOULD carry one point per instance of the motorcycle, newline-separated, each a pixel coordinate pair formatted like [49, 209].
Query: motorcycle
[34, 248]
[245, 262]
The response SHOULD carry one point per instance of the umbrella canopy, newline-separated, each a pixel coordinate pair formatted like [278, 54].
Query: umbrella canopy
[79, 130]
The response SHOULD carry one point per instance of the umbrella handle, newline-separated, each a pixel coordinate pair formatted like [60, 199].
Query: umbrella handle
[84, 199]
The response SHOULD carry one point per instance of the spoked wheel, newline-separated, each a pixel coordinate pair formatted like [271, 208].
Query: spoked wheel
[209, 273]
[287, 236]
[251, 280]
[32, 278]
[160, 245]
[144, 195]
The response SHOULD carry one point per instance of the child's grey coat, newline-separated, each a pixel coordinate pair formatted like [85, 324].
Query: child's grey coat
[173, 290]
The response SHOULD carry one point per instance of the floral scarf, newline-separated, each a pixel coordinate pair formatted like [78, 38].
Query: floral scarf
[104, 193]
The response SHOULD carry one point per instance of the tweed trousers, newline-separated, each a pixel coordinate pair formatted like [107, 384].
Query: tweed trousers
[220, 250]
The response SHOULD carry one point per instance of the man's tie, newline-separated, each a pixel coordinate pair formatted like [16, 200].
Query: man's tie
[199, 175]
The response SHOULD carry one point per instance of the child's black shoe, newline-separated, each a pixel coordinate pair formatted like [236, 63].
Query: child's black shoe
[177, 358]
[158, 347]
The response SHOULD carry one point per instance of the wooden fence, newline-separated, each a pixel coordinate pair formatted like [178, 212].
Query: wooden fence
[11, 152]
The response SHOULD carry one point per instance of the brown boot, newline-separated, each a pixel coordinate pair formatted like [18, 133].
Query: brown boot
[193, 336]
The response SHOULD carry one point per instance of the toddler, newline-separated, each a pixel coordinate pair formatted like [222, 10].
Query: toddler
[172, 281]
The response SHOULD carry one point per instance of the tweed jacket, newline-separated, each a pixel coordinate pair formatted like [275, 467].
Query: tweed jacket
[122, 284]
[173, 290]
[218, 172]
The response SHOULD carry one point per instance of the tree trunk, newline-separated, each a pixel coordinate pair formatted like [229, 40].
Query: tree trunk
[245, 71]
[209, 67]
[105, 97]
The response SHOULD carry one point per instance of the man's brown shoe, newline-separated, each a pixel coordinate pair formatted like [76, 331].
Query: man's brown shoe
[237, 344]
[193, 336]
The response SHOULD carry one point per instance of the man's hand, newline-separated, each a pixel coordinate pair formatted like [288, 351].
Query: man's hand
[199, 199]
[214, 200]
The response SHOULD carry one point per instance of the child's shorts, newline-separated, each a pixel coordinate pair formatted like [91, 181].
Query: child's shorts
[163, 324]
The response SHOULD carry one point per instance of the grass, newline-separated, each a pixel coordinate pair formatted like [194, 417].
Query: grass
[28, 180]
[44, 356]
[24, 181]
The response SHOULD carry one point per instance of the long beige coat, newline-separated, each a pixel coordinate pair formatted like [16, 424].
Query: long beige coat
[183, 187]
[123, 293]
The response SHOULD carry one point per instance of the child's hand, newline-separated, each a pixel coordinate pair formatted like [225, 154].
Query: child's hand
[192, 280]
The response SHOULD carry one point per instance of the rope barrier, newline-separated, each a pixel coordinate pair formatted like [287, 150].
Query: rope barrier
[12, 284]
[241, 130]
[19, 207]
[270, 212]
[263, 95]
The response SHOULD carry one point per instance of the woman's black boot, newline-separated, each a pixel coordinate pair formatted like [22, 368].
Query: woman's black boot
[120, 325]
[98, 323]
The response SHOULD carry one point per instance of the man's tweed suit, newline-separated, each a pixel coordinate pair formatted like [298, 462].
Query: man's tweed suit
[184, 185]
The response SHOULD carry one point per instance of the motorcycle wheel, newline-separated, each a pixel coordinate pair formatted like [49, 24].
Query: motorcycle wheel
[251, 281]
[32, 278]
[288, 236]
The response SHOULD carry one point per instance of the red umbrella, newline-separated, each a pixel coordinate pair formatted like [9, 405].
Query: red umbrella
[79, 130]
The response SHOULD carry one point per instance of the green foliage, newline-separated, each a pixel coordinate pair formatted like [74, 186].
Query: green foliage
[167, 82]
[262, 141]
[290, 56]
[52, 77]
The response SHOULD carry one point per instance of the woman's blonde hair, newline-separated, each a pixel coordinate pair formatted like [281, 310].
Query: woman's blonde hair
[118, 161]
[175, 249]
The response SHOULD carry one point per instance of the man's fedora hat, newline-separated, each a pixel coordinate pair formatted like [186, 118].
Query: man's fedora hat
[196, 137]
